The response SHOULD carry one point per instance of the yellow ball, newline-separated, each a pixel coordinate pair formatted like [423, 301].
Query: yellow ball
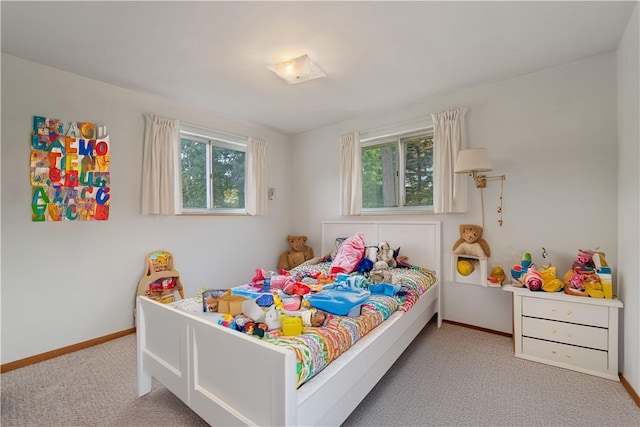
[465, 267]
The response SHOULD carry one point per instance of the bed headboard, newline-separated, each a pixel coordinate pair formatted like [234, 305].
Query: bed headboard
[419, 240]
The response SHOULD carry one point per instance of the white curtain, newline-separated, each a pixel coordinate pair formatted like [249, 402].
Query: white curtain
[449, 188]
[161, 180]
[257, 197]
[351, 175]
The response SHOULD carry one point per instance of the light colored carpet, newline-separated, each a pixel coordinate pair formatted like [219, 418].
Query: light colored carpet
[92, 387]
[458, 376]
[454, 376]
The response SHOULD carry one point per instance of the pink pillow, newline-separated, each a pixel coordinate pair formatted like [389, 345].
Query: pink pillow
[349, 255]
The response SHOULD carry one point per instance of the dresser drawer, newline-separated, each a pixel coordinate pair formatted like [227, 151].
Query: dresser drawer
[580, 357]
[568, 333]
[564, 311]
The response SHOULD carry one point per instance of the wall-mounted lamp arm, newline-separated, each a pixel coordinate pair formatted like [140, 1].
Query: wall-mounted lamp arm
[475, 161]
[481, 180]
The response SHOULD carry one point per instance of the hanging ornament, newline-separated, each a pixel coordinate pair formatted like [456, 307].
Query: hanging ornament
[500, 207]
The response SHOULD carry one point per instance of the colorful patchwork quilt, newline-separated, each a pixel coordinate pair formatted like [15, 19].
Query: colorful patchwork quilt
[316, 347]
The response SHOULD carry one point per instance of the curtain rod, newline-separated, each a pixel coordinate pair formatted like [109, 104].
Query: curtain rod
[209, 133]
[394, 133]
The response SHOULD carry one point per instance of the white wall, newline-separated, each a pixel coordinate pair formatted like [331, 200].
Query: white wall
[64, 283]
[553, 133]
[628, 62]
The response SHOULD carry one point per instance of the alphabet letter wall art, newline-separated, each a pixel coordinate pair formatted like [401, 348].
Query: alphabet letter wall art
[69, 171]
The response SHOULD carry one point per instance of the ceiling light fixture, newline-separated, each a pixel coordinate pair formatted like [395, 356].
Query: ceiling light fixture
[297, 70]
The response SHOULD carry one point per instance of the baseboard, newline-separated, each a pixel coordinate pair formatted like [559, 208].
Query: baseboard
[478, 328]
[64, 350]
[630, 390]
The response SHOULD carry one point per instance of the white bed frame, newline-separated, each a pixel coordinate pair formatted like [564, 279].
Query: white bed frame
[229, 378]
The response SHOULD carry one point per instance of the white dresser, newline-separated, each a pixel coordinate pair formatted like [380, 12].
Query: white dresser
[579, 333]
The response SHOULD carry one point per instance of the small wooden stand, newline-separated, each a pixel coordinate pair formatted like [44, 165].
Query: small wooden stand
[161, 280]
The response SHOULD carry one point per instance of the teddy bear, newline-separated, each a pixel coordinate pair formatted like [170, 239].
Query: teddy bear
[298, 253]
[471, 242]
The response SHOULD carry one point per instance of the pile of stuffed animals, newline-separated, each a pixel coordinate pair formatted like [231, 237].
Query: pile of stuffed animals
[283, 302]
[589, 274]
[376, 262]
[584, 278]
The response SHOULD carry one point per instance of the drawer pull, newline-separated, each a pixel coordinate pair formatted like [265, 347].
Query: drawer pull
[568, 356]
[553, 310]
[553, 331]
[568, 312]
[553, 352]
[569, 334]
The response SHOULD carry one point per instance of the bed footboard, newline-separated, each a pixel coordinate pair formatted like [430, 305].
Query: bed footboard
[225, 377]
[162, 349]
[230, 378]
[345, 384]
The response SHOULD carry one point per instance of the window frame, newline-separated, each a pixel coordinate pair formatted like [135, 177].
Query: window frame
[213, 138]
[397, 138]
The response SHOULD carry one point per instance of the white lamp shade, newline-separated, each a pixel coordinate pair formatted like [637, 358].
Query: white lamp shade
[473, 160]
[297, 70]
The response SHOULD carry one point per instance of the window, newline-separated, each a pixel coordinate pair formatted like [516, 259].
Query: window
[397, 172]
[213, 172]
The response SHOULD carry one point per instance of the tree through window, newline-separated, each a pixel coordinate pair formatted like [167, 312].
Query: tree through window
[397, 172]
[213, 173]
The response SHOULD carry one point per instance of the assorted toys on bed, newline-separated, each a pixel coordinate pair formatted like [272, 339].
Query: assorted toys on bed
[321, 308]
[286, 302]
[589, 276]
[286, 305]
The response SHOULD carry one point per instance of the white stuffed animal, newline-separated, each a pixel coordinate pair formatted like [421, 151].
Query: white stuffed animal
[384, 258]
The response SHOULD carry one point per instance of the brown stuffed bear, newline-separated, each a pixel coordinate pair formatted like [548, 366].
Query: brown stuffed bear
[471, 242]
[298, 253]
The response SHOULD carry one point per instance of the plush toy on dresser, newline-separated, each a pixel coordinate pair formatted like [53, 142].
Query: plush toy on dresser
[298, 253]
[583, 280]
[471, 242]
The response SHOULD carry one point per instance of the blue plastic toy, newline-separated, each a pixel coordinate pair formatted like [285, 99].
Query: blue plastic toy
[338, 301]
